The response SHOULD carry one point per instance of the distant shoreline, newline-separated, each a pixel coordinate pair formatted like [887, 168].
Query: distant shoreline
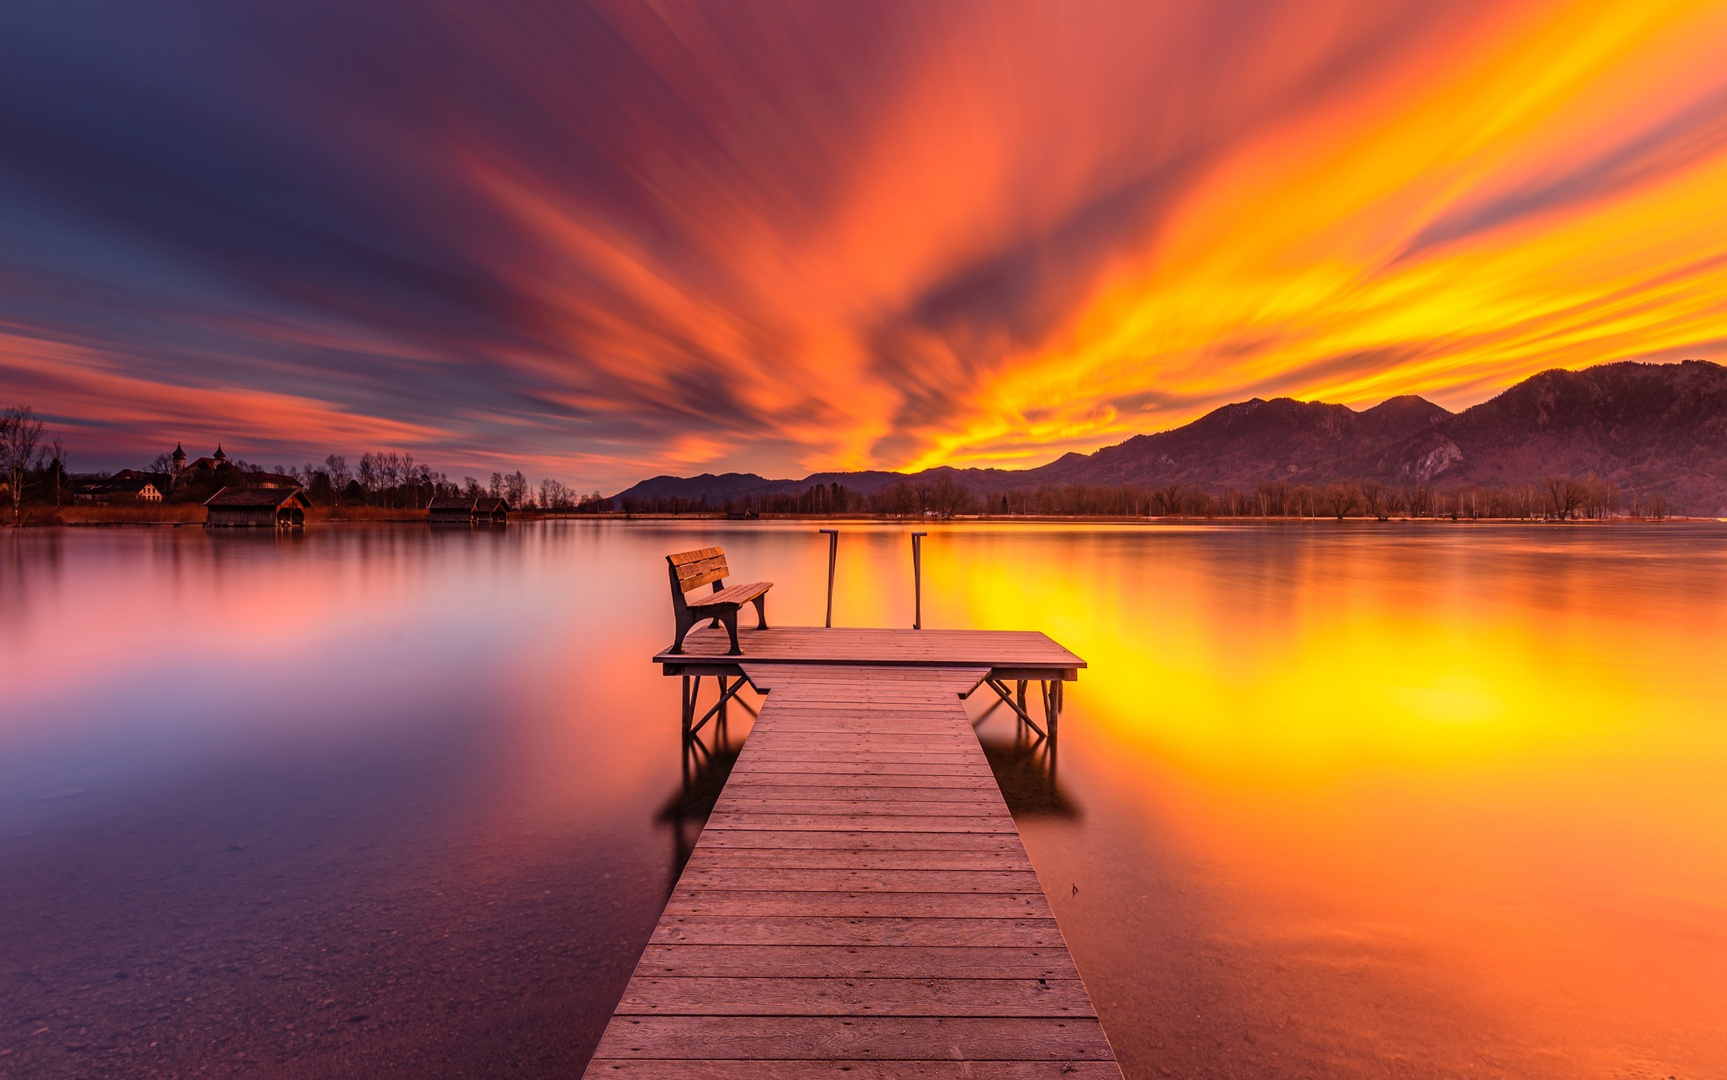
[191, 514]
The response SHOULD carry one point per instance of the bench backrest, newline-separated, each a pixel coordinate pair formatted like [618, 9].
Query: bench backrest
[693, 569]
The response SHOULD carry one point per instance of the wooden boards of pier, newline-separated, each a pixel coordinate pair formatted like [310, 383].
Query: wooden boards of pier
[859, 904]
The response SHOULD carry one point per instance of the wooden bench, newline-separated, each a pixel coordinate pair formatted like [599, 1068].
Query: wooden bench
[691, 570]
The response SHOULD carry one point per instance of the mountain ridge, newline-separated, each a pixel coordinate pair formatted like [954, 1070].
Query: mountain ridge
[1650, 428]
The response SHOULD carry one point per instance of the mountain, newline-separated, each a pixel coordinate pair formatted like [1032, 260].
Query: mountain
[717, 490]
[1242, 444]
[1647, 427]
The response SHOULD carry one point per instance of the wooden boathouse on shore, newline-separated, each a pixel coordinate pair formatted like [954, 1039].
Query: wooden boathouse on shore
[468, 510]
[450, 510]
[260, 507]
[859, 903]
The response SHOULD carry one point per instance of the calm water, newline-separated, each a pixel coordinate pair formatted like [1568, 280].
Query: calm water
[1364, 801]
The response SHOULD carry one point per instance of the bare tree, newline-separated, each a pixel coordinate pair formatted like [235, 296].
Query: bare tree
[57, 458]
[1396, 501]
[554, 495]
[948, 498]
[1374, 498]
[337, 464]
[1342, 499]
[20, 434]
[367, 474]
[1564, 496]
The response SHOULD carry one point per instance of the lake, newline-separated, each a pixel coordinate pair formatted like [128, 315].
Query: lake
[1330, 800]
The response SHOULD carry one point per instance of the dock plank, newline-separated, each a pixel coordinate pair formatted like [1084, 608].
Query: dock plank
[806, 1038]
[860, 961]
[859, 903]
[854, 859]
[830, 930]
[859, 880]
[687, 1069]
[852, 995]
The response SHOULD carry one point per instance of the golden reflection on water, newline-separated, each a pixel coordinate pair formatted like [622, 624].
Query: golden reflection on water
[1483, 769]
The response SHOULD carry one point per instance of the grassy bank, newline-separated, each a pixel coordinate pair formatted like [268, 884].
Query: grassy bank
[130, 514]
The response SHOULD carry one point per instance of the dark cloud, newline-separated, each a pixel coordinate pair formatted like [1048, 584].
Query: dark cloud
[1662, 150]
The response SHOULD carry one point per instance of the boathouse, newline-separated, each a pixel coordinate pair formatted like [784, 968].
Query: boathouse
[450, 510]
[490, 511]
[275, 507]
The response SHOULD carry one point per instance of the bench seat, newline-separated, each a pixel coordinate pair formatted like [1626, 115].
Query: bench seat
[736, 595]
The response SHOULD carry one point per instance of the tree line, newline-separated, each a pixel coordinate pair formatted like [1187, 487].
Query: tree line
[33, 470]
[393, 480]
[1558, 498]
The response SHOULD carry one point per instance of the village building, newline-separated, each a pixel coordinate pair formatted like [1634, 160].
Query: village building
[127, 485]
[257, 507]
[206, 472]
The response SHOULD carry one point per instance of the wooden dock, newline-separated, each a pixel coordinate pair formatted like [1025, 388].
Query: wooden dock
[859, 901]
[1009, 654]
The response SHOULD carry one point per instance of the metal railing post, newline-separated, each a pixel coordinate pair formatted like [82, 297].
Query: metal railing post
[833, 553]
[917, 579]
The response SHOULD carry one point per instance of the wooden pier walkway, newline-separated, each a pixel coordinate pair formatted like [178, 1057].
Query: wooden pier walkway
[859, 901]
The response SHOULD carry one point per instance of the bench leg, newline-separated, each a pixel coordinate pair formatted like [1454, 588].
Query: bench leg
[683, 628]
[730, 618]
[761, 603]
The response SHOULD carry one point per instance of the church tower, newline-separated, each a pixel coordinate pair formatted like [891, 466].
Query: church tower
[179, 459]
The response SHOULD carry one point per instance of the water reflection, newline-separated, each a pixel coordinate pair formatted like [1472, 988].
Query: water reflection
[1024, 767]
[708, 756]
[1431, 801]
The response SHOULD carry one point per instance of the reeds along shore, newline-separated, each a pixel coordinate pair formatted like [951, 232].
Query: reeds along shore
[1559, 500]
[1554, 499]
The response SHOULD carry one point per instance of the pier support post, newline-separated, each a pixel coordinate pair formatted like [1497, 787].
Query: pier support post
[717, 712]
[917, 579]
[1007, 696]
[833, 555]
[692, 690]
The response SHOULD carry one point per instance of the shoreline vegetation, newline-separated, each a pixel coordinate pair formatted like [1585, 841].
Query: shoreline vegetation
[172, 515]
[389, 487]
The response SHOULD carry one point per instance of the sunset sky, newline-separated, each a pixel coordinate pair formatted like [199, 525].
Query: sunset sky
[609, 240]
